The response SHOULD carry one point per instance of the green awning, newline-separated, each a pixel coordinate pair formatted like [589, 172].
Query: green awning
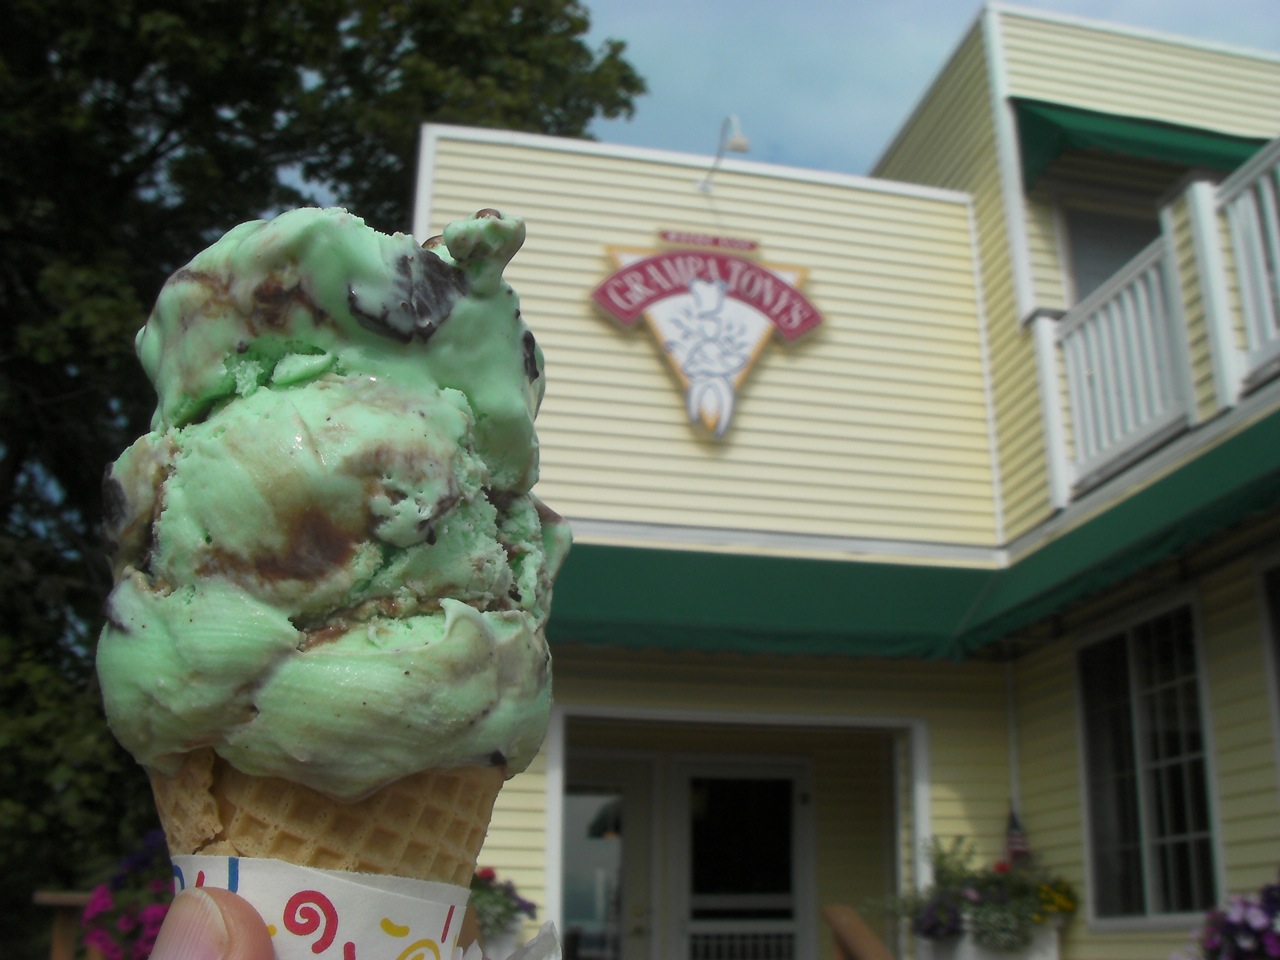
[686, 600]
[683, 600]
[1046, 130]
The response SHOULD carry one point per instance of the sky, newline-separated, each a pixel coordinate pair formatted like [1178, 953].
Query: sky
[825, 84]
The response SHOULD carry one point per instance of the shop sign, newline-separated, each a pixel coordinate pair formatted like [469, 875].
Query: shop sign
[712, 310]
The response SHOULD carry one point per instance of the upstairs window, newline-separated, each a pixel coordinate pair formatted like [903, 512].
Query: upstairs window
[1100, 243]
[1147, 779]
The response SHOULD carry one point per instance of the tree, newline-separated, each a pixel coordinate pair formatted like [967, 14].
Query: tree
[132, 133]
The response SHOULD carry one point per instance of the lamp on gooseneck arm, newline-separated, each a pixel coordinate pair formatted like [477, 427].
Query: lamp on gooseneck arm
[731, 139]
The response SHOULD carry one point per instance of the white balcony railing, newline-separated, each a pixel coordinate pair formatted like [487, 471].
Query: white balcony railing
[1127, 351]
[1250, 199]
[1117, 348]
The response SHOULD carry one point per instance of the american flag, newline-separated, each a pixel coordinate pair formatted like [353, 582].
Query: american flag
[1015, 841]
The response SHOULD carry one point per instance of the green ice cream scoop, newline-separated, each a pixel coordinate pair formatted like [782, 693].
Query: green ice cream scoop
[330, 567]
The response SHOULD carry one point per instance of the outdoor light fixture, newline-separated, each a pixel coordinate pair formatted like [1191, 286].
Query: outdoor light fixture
[731, 138]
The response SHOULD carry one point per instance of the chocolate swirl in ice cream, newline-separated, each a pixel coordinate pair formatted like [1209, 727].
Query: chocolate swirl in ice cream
[330, 567]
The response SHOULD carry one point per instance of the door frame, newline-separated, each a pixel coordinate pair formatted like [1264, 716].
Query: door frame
[653, 842]
[912, 770]
[678, 768]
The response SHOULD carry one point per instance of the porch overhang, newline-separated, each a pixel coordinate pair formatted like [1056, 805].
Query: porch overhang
[721, 602]
[1046, 130]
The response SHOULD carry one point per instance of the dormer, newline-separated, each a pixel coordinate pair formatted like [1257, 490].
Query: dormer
[1100, 160]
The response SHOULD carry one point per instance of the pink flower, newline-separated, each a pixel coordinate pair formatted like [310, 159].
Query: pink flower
[152, 915]
[1001, 866]
[160, 886]
[126, 921]
[486, 874]
[100, 901]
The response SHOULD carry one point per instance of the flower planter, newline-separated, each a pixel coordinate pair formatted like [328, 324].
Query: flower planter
[1043, 946]
[499, 946]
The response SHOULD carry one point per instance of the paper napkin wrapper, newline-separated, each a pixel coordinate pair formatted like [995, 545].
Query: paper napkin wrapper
[315, 914]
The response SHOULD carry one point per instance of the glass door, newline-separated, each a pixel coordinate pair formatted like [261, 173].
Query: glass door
[739, 855]
[607, 843]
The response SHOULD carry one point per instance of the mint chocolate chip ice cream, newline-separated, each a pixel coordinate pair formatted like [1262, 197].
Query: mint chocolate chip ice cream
[330, 567]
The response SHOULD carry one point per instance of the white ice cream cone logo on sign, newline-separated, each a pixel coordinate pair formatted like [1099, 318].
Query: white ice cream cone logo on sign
[712, 310]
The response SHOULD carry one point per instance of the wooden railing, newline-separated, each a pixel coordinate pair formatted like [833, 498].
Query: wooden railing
[1122, 386]
[64, 944]
[1250, 200]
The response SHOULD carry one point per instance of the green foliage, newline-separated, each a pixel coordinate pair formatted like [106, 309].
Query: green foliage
[135, 132]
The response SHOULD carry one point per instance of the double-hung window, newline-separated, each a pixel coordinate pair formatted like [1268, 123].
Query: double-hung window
[1147, 781]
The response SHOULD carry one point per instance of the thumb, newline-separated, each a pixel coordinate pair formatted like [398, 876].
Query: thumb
[205, 923]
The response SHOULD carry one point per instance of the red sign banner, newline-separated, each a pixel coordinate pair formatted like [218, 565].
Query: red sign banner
[629, 292]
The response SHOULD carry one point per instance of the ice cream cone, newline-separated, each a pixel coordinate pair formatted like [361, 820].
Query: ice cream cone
[428, 826]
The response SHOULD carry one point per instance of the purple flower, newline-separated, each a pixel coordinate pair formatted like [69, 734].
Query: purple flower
[1271, 943]
[1257, 917]
[100, 901]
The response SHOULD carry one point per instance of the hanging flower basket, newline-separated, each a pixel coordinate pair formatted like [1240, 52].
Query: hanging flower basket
[996, 912]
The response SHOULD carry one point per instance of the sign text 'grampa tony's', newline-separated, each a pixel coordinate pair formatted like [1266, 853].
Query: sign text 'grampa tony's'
[629, 292]
[712, 312]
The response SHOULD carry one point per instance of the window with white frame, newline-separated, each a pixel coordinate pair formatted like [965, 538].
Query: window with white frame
[1148, 791]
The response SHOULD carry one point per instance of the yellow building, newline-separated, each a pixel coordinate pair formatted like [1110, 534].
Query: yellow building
[902, 501]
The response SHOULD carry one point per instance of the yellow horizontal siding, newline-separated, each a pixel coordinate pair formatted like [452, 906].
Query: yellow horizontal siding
[516, 845]
[957, 110]
[1126, 73]
[855, 430]
[1111, 181]
[1245, 754]
[1048, 261]
[1048, 767]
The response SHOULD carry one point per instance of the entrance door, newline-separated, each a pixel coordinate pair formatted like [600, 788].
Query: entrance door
[608, 837]
[741, 861]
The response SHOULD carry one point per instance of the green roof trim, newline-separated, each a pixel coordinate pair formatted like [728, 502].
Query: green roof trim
[1046, 130]
[687, 600]
[1227, 485]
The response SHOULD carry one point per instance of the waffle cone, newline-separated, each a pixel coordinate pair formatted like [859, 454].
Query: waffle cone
[429, 826]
